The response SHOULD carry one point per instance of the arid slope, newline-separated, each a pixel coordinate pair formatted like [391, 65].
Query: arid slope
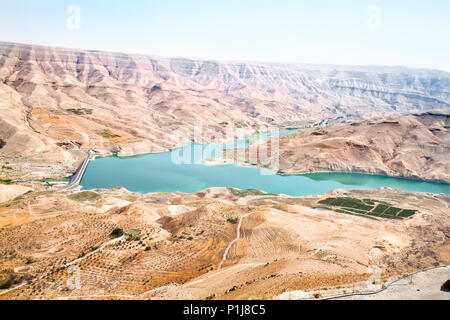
[217, 244]
[54, 100]
[415, 146]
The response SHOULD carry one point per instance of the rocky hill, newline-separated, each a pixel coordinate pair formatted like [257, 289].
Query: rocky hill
[216, 244]
[414, 146]
[54, 100]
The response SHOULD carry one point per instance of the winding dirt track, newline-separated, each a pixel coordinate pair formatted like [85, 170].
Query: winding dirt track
[238, 235]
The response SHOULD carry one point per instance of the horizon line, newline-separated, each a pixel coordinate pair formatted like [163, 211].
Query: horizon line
[232, 61]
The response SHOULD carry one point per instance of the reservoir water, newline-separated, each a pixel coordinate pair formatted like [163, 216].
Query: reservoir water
[158, 173]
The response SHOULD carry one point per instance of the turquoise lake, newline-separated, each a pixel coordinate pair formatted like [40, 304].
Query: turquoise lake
[158, 173]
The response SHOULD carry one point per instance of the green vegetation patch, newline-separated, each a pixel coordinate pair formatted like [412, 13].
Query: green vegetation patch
[84, 196]
[249, 192]
[8, 283]
[370, 202]
[117, 232]
[6, 181]
[16, 203]
[240, 124]
[367, 207]
[232, 220]
[133, 234]
[175, 123]
[347, 202]
[380, 208]
[406, 213]
[392, 211]
[107, 134]
[80, 112]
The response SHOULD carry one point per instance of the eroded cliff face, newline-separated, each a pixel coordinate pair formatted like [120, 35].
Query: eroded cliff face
[414, 146]
[330, 90]
[55, 100]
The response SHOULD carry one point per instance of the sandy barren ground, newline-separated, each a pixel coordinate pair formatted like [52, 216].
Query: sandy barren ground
[216, 244]
[12, 191]
[420, 285]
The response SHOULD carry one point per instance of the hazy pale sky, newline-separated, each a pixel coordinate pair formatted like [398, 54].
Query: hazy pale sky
[412, 33]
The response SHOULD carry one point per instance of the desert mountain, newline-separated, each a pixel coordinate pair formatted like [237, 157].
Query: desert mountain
[413, 146]
[55, 100]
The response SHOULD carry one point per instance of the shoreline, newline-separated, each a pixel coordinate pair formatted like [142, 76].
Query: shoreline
[361, 172]
[370, 174]
[300, 173]
[227, 161]
[220, 162]
[308, 174]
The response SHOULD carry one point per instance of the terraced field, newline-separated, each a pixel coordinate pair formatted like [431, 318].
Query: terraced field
[366, 207]
[61, 244]
[154, 250]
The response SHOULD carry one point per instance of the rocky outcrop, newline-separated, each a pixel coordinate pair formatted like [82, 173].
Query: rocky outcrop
[414, 146]
[54, 100]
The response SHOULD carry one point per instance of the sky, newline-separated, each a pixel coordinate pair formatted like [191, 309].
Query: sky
[360, 32]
